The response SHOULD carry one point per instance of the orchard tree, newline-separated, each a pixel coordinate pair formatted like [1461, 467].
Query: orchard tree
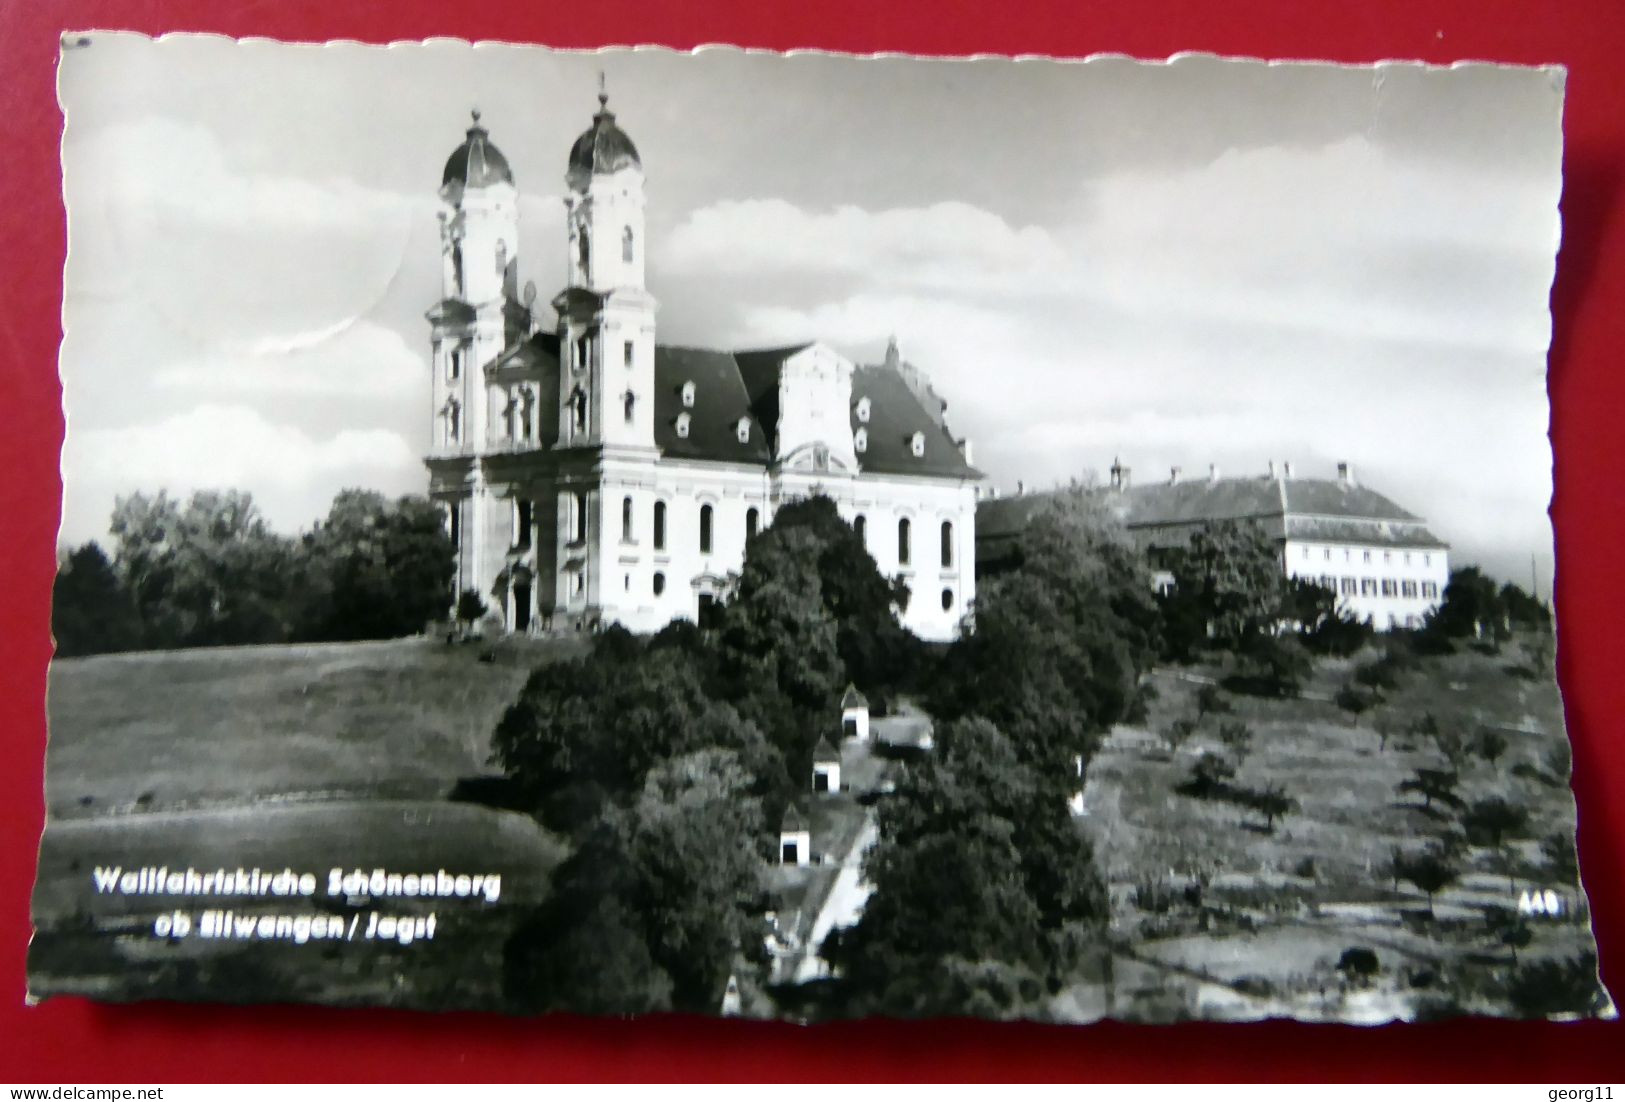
[1434, 786]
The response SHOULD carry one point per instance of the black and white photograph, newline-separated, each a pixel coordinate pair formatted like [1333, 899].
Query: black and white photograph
[807, 536]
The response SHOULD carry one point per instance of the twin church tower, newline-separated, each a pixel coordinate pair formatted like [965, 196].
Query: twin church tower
[591, 476]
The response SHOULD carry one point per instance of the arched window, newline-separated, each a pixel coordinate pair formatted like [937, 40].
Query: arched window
[626, 244]
[660, 583]
[578, 411]
[860, 525]
[626, 520]
[457, 270]
[902, 541]
[578, 517]
[630, 401]
[660, 526]
[583, 249]
[524, 518]
[947, 599]
[705, 529]
[753, 518]
[527, 411]
[947, 543]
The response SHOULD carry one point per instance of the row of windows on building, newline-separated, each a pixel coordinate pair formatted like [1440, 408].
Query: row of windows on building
[524, 517]
[1375, 587]
[1366, 555]
[577, 585]
[584, 247]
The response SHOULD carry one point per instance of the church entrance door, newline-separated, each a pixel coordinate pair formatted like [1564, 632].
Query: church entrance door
[521, 606]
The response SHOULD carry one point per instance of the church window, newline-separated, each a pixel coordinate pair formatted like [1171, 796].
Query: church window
[947, 599]
[457, 270]
[682, 426]
[660, 526]
[660, 583]
[863, 410]
[523, 517]
[578, 517]
[947, 543]
[916, 444]
[902, 541]
[454, 365]
[626, 245]
[630, 401]
[583, 249]
[527, 413]
[583, 351]
[578, 583]
[860, 525]
[753, 520]
[626, 520]
[454, 523]
[705, 529]
[688, 394]
[626, 353]
[578, 411]
[860, 441]
[743, 429]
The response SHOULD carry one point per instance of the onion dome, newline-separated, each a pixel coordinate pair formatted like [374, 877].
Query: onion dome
[477, 163]
[603, 147]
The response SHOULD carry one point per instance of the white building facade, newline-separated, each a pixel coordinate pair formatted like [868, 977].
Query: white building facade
[593, 476]
[1383, 563]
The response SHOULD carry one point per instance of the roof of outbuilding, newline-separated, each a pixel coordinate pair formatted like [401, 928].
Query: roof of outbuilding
[852, 698]
[794, 821]
[825, 751]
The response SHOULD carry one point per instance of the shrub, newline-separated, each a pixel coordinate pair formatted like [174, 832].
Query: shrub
[1358, 963]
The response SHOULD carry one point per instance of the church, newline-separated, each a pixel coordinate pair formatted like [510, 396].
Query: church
[592, 475]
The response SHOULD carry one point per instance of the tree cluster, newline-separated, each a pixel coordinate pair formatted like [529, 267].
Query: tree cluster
[210, 572]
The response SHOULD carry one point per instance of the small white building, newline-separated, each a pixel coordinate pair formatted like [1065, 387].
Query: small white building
[854, 714]
[826, 767]
[795, 839]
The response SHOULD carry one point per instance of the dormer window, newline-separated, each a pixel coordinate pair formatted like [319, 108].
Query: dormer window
[860, 441]
[743, 429]
[682, 426]
[916, 444]
[688, 394]
[863, 410]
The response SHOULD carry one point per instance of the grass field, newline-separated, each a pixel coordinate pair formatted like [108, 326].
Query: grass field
[1221, 915]
[308, 757]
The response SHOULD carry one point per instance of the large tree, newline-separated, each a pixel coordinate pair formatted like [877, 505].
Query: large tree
[91, 610]
[1057, 644]
[206, 574]
[978, 861]
[1472, 607]
[376, 569]
[1228, 579]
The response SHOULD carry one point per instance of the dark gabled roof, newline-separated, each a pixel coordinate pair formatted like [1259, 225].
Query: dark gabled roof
[896, 413]
[794, 821]
[731, 385]
[720, 400]
[824, 751]
[1001, 517]
[1353, 530]
[853, 699]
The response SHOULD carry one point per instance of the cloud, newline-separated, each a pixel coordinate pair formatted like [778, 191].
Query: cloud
[212, 446]
[359, 360]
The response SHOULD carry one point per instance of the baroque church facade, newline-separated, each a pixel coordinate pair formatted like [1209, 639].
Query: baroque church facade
[592, 475]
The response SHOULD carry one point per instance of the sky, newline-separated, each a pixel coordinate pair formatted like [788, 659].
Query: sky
[1184, 264]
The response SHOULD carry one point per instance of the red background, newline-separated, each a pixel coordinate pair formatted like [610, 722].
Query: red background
[71, 1040]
